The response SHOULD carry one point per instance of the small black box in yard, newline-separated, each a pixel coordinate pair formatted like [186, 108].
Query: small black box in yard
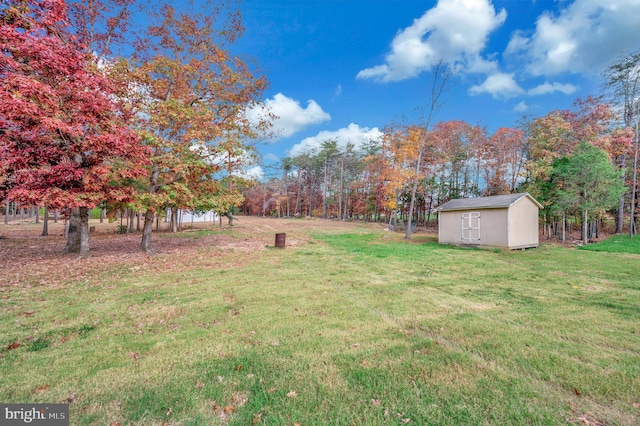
[280, 240]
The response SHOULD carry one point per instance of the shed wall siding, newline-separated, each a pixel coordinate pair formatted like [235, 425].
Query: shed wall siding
[523, 224]
[449, 228]
[493, 231]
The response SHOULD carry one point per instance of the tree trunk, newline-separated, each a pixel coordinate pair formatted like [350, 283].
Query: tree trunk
[145, 244]
[146, 232]
[78, 233]
[632, 217]
[324, 192]
[620, 216]
[173, 228]
[585, 227]
[412, 203]
[131, 230]
[37, 209]
[45, 226]
[6, 211]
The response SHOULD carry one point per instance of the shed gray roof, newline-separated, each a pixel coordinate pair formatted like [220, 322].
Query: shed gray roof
[494, 202]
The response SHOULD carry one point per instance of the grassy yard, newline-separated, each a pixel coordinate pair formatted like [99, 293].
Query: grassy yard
[347, 325]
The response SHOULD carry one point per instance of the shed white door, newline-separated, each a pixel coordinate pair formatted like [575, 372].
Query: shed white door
[470, 227]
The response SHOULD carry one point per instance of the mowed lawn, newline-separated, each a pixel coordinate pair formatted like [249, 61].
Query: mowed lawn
[348, 325]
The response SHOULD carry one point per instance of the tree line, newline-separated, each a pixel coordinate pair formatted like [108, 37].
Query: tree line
[579, 163]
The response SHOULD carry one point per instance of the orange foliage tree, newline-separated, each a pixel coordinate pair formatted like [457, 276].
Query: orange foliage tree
[192, 94]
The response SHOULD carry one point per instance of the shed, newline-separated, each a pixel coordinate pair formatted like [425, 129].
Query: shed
[509, 221]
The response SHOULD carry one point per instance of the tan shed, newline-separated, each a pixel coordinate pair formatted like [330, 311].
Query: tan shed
[509, 221]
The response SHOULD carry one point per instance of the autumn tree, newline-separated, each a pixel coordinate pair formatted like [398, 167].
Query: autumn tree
[63, 139]
[503, 158]
[459, 168]
[193, 94]
[556, 135]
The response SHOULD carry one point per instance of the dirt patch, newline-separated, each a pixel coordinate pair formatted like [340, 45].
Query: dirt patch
[28, 259]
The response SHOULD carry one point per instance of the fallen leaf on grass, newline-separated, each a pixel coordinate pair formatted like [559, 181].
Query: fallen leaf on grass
[256, 418]
[134, 356]
[199, 384]
[586, 419]
[14, 345]
[292, 394]
[71, 398]
[636, 405]
[375, 402]
[576, 391]
[239, 399]
[42, 388]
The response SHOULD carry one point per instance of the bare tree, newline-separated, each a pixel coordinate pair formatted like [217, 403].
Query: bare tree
[622, 80]
[441, 75]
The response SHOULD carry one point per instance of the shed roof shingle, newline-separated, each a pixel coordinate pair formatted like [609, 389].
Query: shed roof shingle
[494, 202]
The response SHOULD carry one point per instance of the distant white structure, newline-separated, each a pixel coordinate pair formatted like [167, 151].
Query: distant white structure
[186, 216]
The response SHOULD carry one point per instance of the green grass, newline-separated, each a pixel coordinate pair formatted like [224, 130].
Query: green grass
[616, 244]
[358, 328]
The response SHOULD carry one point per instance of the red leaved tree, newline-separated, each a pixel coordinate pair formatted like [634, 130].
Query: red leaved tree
[63, 142]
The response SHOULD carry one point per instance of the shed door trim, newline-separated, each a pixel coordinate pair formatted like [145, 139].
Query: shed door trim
[471, 227]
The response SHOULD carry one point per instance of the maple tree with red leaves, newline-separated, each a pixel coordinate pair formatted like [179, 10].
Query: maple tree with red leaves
[63, 139]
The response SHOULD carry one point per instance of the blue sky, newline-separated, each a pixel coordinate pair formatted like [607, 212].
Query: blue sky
[343, 69]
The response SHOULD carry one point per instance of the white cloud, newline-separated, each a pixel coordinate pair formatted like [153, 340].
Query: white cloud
[547, 88]
[521, 107]
[454, 31]
[255, 173]
[353, 134]
[290, 116]
[498, 85]
[584, 37]
[271, 157]
[338, 90]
